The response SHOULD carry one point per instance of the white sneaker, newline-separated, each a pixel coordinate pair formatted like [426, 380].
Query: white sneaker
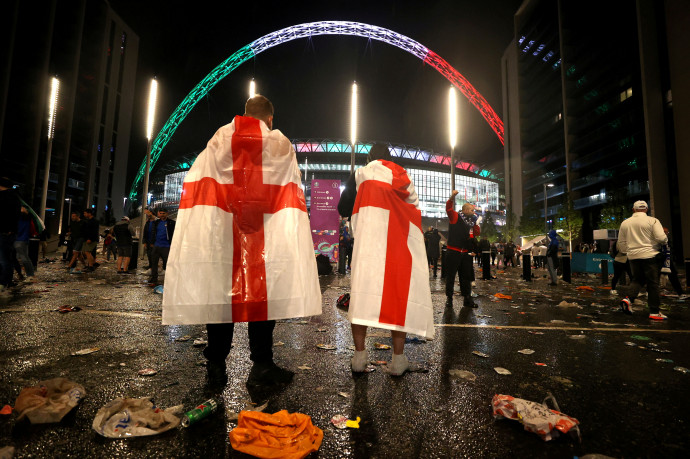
[658, 316]
[683, 297]
[359, 361]
[399, 365]
[614, 292]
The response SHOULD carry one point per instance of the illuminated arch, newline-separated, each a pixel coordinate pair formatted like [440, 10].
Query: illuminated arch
[305, 31]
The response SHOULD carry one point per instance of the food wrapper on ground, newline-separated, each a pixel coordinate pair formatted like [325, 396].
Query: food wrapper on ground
[50, 401]
[278, 435]
[135, 417]
[536, 417]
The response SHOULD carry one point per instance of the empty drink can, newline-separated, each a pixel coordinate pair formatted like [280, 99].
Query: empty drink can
[200, 412]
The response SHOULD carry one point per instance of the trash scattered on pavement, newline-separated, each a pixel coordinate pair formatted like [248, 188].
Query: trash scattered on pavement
[281, 434]
[585, 287]
[535, 417]
[353, 424]
[200, 412]
[640, 337]
[184, 338]
[147, 372]
[526, 351]
[381, 346]
[664, 360]
[135, 417]
[344, 394]
[532, 332]
[88, 350]
[339, 421]
[304, 367]
[66, 309]
[278, 343]
[682, 369]
[158, 289]
[463, 374]
[6, 410]
[577, 336]
[540, 364]
[378, 362]
[502, 371]
[234, 416]
[321, 330]
[327, 347]
[628, 343]
[483, 316]
[565, 304]
[503, 297]
[199, 342]
[48, 402]
[480, 354]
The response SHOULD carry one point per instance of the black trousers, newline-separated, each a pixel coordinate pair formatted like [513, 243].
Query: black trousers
[156, 254]
[260, 341]
[460, 263]
[646, 271]
[619, 269]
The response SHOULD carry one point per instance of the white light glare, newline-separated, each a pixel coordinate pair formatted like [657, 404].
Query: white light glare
[353, 115]
[452, 117]
[54, 90]
[252, 89]
[153, 93]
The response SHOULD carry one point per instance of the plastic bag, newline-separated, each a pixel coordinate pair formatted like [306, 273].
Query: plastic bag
[278, 435]
[50, 401]
[536, 417]
[135, 417]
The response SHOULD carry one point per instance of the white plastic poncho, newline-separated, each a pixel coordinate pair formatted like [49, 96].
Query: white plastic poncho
[390, 275]
[242, 249]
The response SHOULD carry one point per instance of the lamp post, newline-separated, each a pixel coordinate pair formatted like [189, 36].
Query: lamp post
[353, 126]
[546, 221]
[153, 94]
[452, 132]
[52, 110]
[252, 88]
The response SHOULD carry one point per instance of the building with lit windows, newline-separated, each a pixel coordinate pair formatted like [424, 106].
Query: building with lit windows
[594, 97]
[326, 159]
[94, 54]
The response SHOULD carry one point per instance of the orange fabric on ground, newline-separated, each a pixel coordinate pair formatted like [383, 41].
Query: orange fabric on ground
[502, 296]
[279, 435]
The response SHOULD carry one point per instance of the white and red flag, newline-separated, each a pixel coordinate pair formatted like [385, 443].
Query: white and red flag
[242, 249]
[390, 274]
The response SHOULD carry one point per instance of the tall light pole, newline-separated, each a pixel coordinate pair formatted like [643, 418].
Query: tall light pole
[546, 221]
[252, 88]
[52, 110]
[452, 131]
[353, 126]
[151, 114]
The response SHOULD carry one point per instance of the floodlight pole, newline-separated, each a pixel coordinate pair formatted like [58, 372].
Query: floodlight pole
[452, 132]
[353, 126]
[153, 94]
[52, 111]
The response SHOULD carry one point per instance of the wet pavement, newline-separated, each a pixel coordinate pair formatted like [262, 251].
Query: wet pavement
[602, 367]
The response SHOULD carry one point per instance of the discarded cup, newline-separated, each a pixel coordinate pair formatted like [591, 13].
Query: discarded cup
[200, 412]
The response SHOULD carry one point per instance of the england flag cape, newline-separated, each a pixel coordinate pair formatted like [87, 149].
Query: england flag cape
[390, 275]
[242, 249]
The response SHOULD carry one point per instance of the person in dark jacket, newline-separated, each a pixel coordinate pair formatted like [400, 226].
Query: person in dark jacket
[124, 232]
[148, 234]
[433, 251]
[10, 208]
[462, 245]
[76, 232]
[163, 230]
[552, 257]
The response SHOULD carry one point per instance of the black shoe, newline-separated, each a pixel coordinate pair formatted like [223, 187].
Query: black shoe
[88, 269]
[266, 374]
[468, 302]
[449, 302]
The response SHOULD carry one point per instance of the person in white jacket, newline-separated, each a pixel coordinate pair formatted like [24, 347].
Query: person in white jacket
[641, 238]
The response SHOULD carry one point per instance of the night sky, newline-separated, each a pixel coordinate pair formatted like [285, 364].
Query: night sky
[308, 80]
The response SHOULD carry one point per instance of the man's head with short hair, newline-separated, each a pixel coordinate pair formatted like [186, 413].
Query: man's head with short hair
[468, 209]
[261, 108]
[88, 212]
[640, 206]
[75, 215]
[379, 151]
[162, 213]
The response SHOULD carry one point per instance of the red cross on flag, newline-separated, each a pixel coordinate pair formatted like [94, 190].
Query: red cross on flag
[390, 274]
[242, 249]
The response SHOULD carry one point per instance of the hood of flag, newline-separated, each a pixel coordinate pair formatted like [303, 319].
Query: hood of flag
[242, 249]
[390, 275]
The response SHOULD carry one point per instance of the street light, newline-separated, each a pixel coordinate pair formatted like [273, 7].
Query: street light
[452, 132]
[153, 94]
[353, 126]
[546, 222]
[52, 110]
[252, 88]
[69, 213]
